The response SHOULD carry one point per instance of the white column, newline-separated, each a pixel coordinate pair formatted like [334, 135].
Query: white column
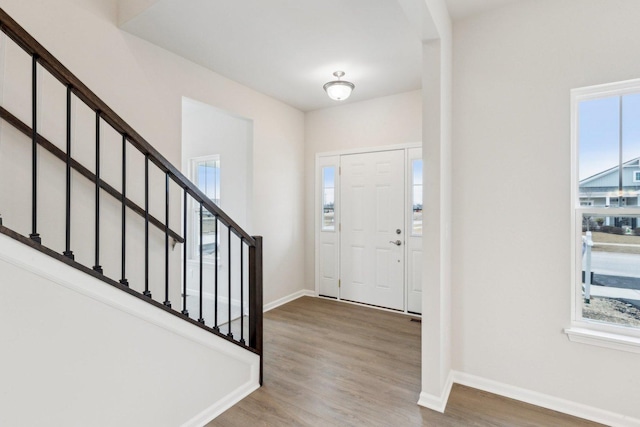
[437, 177]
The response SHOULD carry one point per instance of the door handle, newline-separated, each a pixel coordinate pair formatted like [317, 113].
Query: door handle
[397, 242]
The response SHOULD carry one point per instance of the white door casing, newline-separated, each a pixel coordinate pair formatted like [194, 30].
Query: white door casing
[372, 211]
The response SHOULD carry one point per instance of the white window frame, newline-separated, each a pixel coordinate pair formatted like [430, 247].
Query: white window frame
[194, 209]
[636, 176]
[584, 330]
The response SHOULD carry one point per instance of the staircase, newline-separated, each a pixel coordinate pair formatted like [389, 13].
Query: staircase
[103, 201]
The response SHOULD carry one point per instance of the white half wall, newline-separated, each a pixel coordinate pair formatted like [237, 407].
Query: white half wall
[513, 70]
[145, 84]
[78, 352]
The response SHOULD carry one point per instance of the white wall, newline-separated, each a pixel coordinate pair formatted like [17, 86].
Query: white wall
[513, 69]
[145, 85]
[78, 352]
[390, 120]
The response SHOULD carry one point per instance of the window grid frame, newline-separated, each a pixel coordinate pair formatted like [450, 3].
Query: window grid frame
[194, 209]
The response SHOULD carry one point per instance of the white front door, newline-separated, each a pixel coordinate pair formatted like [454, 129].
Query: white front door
[373, 234]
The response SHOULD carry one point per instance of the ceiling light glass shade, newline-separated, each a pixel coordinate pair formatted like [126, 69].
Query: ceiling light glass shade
[339, 90]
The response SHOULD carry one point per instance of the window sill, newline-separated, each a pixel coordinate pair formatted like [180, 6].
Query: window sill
[205, 262]
[604, 339]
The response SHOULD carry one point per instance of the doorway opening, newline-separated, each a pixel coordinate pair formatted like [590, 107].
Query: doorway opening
[217, 155]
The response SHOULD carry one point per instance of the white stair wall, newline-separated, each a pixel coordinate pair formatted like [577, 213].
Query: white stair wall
[79, 352]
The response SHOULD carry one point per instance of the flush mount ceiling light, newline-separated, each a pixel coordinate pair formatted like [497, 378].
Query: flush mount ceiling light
[339, 90]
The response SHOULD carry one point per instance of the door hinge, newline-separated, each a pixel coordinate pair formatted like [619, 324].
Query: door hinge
[339, 283]
[340, 227]
[339, 170]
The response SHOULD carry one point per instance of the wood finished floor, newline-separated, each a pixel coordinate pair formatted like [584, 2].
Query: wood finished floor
[334, 364]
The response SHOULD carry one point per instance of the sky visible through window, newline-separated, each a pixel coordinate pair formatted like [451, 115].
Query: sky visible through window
[417, 183]
[599, 133]
[328, 174]
[209, 179]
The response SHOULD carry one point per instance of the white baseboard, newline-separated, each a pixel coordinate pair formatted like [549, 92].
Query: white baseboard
[544, 400]
[289, 298]
[437, 403]
[209, 414]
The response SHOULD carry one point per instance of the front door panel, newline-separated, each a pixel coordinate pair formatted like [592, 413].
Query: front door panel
[372, 249]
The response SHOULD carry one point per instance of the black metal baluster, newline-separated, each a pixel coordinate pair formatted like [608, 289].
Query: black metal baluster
[215, 297]
[67, 252]
[146, 226]
[123, 280]
[201, 319]
[242, 290]
[166, 242]
[97, 266]
[229, 334]
[184, 255]
[34, 151]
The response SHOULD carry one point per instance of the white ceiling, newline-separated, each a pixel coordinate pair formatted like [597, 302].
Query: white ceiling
[460, 9]
[288, 49]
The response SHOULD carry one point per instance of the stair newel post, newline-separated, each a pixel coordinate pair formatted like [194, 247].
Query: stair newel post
[255, 299]
[34, 150]
[97, 266]
[146, 292]
[184, 253]
[166, 241]
[67, 252]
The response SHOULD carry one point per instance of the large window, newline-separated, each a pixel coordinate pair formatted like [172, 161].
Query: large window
[205, 173]
[606, 208]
